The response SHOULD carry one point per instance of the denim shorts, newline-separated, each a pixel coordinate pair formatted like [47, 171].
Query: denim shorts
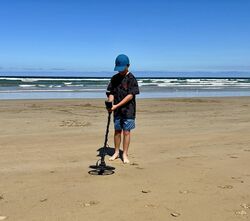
[124, 124]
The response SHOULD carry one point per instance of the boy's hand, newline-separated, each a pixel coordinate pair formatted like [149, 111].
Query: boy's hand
[108, 105]
[115, 106]
[109, 110]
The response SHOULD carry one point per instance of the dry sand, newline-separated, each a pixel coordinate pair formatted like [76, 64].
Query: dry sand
[190, 160]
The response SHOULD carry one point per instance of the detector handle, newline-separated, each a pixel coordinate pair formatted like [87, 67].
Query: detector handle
[108, 104]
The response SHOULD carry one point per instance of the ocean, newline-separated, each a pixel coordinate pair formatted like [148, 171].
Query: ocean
[51, 87]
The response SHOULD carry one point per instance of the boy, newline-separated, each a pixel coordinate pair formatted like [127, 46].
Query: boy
[121, 91]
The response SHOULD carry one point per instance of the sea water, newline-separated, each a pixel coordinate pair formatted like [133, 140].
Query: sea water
[51, 87]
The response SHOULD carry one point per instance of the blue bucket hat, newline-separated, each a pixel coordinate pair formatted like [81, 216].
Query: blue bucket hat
[121, 62]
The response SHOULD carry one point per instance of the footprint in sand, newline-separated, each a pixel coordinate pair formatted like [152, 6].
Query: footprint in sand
[3, 217]
[91, 203]
[74, 123]
[137, 166]
[134, 164]
[234, 157]
[226, 187]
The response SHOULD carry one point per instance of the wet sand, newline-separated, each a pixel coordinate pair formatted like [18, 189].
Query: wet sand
[190, 160]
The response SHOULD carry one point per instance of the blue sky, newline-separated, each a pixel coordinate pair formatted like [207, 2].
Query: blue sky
[157, 35]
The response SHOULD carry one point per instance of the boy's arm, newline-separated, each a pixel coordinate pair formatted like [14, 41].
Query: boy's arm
[123, 101]
[133, 89]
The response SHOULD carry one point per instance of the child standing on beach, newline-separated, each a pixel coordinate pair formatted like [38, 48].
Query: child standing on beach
[121, 91]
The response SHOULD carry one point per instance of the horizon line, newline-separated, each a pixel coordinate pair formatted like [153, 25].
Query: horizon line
[101, 71]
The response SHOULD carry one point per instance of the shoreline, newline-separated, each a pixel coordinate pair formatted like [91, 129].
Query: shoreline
[140, 99]
[143, 95]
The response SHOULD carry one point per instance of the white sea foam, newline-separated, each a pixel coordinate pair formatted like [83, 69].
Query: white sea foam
[54, 86]
[27, 85]
[147, 84]
[208, 83]
[67, 83]
[76, 85]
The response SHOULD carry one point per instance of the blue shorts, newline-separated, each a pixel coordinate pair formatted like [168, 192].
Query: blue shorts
[124, 124]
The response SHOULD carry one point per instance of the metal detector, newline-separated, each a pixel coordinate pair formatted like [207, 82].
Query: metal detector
[101, 168]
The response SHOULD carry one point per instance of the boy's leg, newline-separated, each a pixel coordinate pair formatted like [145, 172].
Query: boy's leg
[129, 124]
[117, 141]
[126, 142]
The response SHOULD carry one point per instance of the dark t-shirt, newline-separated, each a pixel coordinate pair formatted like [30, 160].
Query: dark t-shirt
[120, 86]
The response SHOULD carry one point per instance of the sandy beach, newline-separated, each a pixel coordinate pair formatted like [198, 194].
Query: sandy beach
[190, 160]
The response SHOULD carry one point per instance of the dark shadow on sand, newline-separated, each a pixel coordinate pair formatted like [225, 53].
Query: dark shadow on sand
[108, 151]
